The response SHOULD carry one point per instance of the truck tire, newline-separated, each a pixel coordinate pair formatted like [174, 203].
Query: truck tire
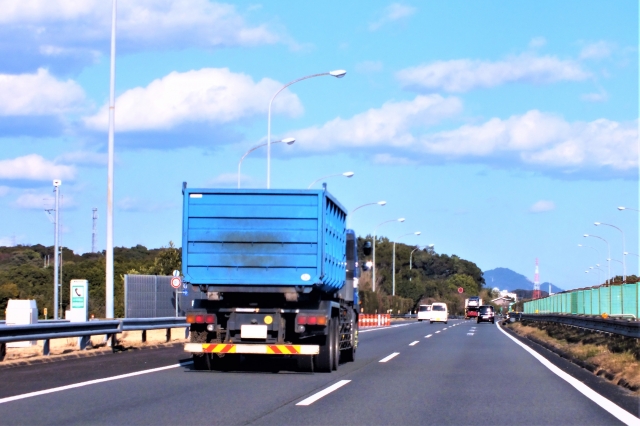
[350, 354]
[324, 360]
[336, 344]
[200, 362]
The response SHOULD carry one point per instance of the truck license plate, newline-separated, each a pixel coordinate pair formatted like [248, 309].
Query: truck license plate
[250, 331]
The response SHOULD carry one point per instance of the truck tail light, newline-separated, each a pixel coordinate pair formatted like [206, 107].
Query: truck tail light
[191, 318]
[312, 320]
[199, 318]
[210, 319]
[322, 320]
[301, 320]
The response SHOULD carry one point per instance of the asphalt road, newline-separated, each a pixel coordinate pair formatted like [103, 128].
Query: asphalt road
[464, 373]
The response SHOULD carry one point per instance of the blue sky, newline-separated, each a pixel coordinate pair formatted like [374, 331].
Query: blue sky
[500, 130]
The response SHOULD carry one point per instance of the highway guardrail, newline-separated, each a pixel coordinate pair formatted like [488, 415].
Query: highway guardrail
[56, 330]
[610, 325]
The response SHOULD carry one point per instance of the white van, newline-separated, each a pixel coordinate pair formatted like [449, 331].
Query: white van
[424, 312]
[439, 312]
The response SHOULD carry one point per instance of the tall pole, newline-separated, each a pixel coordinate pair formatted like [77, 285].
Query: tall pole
[624, 265]
[112, 108]
[373, 269]
[336, 73]
[56, 185]
[93, 233]
[393, 268]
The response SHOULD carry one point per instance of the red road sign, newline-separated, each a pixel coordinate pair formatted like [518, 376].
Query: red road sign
[460, 290]
[176, 282]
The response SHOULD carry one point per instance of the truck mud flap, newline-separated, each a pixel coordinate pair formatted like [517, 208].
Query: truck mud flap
[225, 348]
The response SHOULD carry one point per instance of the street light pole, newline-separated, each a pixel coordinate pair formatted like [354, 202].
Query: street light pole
[56, 234]
[380, 203]
[288, 141]
[411, 255]
[373, 267]
[608, 251]
[345, 174]
[393, 268]
[112, 108]
[624, 265]
[336, 73]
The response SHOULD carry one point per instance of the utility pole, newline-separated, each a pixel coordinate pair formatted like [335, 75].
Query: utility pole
[112, 107]
[93, 235]
[56, 189]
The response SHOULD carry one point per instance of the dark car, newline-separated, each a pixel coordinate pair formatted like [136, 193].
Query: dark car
[486, 313]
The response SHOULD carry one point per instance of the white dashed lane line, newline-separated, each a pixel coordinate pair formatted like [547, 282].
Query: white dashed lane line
[429, 335]
[414, 343]
[313, 398]
[437, 331]
[387, 358]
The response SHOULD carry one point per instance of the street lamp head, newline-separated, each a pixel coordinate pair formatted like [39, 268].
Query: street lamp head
[625, 253]
[338, 73]
[585, 235]
[596, 223]
[579, 245]
[621, 208]
[382, 203]
[288, 141]
[348, 174]
[401, 219]
[417, 232]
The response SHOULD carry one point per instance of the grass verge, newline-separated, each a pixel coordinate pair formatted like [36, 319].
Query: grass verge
[614, 357]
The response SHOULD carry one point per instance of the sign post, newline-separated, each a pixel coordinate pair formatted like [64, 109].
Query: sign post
[176, 283]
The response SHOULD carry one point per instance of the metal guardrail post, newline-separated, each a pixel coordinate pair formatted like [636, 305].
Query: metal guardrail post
[46, 348]
[168, 335]
[186, 332]
[144, 336]
[3, 351]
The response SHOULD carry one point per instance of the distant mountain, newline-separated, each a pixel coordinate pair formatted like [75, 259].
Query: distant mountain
[506, 279]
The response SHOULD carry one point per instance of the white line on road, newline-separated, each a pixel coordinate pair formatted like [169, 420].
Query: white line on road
[469, 334]
[615, 410]
[429, 335]
[90, 382]
[414, 343]
[386, 328]
[393, 355]
[437, 331]
[322, 393]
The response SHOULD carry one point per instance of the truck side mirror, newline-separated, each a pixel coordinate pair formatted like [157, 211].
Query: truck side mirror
[366, 249]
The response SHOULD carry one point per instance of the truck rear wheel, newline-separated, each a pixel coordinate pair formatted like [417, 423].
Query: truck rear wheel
[324, 360]
[336, 343]
[350, 354]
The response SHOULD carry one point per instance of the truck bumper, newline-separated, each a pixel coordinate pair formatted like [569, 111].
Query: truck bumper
[256, 349]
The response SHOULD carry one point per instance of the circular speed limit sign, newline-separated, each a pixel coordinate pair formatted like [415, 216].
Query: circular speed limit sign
[176, 282]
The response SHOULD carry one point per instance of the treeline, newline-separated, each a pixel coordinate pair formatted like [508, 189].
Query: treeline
[24, 274]
[422, 277]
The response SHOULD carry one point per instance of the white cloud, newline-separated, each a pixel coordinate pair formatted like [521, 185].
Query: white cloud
[41, 201]
[463, 75]
[598, 50]
[4, 190]
[392, 13]
[214, 95]
[601, 96]
[392, 160]
[7, 241]
[135, 204]
[543, 140]
[34, 167]
[537, 42]
[83, 158]
[542, 206]
[366, 67]
[38, 94]
[387, 126]
[141, 23]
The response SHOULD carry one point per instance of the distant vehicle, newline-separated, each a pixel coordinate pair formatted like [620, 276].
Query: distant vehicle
[424, 312]
[439, 312]
[486, 314]
[471, 306]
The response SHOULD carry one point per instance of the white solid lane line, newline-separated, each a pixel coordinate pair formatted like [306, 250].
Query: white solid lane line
[322, 393]
[615, 410]
[90, 382]
[414, 343]
[429, 335]
[393, 355]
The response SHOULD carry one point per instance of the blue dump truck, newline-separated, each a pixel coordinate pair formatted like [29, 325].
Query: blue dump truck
[277, 274]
